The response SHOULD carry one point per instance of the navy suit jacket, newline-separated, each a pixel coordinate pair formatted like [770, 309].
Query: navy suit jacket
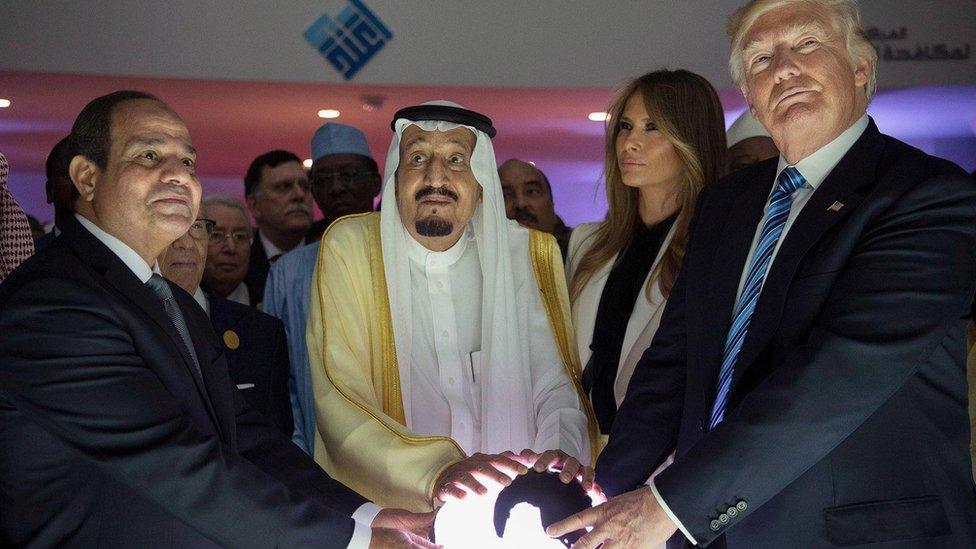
[257, 357]
[44, 241]
[107, 437]
[847, 421]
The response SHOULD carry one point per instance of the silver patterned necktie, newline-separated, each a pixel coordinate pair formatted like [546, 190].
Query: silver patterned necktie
[161, 288]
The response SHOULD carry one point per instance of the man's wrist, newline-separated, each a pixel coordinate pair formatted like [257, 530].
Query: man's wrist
[672, 516]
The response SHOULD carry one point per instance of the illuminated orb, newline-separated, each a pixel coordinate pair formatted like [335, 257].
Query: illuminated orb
[470, 522]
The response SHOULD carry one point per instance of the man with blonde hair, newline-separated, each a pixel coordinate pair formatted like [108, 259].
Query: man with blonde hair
[809, 372]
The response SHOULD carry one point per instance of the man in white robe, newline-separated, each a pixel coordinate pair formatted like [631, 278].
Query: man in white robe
[439, 336]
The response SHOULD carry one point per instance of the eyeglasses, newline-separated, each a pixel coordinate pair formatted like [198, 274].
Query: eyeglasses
[217, 237]
[201, 229]
[340, 176]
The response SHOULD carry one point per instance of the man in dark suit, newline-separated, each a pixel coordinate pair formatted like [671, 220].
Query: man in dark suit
[119, 425]
[254, 342]
[809, 372]
[58, 189]
[279, 196]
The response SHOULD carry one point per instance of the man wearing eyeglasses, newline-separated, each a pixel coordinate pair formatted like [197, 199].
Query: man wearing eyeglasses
[277, 191]
[254, 343]
[229, 249]
[344, 181]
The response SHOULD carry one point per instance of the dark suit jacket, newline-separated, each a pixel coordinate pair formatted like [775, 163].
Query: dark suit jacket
[847, 419]
[44, 241]
[106, 438]
[257, 357]
[257, 270]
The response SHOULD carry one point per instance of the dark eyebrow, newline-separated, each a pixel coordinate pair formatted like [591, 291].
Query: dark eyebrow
[155, 142]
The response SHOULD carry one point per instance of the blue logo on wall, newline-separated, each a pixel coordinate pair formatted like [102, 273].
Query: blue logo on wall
[351, 39]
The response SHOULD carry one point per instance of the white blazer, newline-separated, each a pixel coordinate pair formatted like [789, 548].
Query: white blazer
[644, 319]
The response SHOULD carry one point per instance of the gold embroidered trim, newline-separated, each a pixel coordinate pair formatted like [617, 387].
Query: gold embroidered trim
[392, 398]
[541, 248]
[395, 385]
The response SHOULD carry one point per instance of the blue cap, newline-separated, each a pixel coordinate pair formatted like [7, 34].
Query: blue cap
[334, 138]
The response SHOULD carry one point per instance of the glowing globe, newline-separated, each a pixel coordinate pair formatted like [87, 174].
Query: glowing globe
[513, 517]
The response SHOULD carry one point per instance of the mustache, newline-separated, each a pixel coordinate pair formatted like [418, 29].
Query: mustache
[299, 207]
[525, 215]
[427, 191]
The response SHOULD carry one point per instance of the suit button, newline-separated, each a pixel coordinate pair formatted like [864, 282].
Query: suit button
[732, 512]
[741, 506]
[723, 518]
[715, 525]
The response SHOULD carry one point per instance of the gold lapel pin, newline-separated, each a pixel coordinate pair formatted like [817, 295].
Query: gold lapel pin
[835, 207]
[231, 340]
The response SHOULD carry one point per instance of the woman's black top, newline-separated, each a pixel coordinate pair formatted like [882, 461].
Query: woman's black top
[624, 285]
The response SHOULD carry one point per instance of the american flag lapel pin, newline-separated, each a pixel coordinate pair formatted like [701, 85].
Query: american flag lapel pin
[835, 207]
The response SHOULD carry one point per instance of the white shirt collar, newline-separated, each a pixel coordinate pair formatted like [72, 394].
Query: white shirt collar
[419, 254]
[132, 260]
[202, 300]
[270, 250]
[239, 295]
[818, 165]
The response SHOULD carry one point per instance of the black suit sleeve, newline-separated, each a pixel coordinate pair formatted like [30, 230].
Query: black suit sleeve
[70, 365]
[645, 429]
[262, 443]
[906, 286]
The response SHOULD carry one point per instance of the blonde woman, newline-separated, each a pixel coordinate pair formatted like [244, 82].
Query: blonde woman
[665, 140]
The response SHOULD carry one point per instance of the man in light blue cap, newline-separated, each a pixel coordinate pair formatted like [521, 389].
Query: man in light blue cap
[344, 177]
[344, 180]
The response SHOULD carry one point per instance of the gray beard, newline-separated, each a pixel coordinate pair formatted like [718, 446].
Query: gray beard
[433, 227]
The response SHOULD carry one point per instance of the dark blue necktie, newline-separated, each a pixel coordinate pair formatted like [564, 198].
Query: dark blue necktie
[789, 180]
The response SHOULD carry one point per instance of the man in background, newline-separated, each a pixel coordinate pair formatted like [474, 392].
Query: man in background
[277, 191]
[344, 177]
[58, 190]
[229, 249]
[528, 200]
[254, 343]
[344, 181]
[748, 142]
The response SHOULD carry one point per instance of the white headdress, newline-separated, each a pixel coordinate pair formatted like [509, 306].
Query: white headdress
[507, 417]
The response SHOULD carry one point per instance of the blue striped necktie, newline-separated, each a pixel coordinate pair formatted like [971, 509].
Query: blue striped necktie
[788, 181]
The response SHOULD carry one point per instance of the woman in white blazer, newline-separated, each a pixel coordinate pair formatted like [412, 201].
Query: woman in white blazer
[665, 139]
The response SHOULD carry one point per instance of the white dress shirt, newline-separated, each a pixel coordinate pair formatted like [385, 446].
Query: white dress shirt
[130, 257]
[240, 295]
[444, 362]
[814, 169]
[446, 373]
[202, 300]
[364, 515]
[270, 250]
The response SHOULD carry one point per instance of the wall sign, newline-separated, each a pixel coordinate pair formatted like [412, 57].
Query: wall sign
[888, 51]
[351, 39]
